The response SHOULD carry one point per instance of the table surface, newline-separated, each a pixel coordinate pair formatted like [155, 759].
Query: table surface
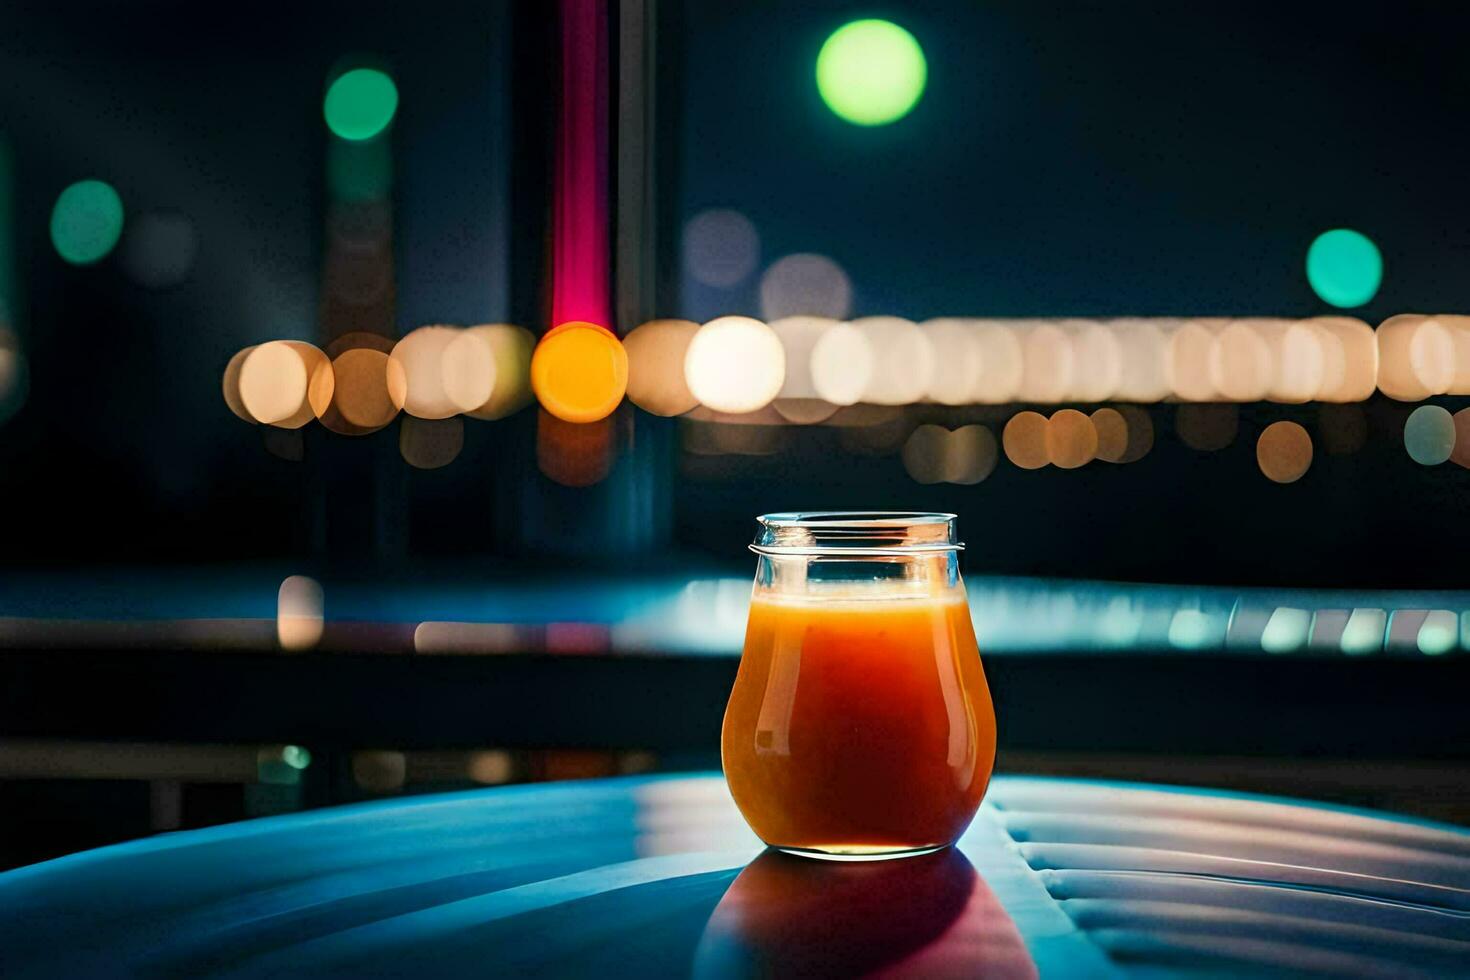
[660, 877]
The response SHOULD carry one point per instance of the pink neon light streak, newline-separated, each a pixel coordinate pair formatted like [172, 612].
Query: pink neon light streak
[581, 259]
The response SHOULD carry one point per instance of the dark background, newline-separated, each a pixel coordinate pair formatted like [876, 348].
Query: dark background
[1066, 159]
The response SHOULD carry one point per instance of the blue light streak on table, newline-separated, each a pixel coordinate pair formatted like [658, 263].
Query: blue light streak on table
[659, 877]
[705, 614]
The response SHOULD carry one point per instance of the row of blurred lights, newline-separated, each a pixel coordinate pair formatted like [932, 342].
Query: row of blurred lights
[738, 365]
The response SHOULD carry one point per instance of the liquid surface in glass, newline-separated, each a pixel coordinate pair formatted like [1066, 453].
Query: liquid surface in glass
[860, 722]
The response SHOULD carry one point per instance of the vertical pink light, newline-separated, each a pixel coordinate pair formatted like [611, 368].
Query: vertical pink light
[581, 260]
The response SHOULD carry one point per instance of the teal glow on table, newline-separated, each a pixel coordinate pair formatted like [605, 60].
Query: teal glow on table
[659, 877]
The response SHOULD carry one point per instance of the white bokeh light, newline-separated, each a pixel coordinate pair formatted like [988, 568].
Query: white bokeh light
[735, 364]
[903, 361]
[468, 369]
[1097, 360]
[1240, 363]
[1143, 348]
[1416, 357]
[1000, 362]
[1297, 362]
[799, 337]
[421, 355]
[842, 365]
[957, 361]
[1187, 359]
[1359, 346]
[1046, 362]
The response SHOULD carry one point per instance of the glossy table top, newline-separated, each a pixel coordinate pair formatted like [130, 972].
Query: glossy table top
[659, 877]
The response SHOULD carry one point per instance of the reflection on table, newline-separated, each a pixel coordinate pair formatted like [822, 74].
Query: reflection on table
[659, 877]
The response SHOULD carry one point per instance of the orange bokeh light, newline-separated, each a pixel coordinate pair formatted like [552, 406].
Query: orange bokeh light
[579, 372]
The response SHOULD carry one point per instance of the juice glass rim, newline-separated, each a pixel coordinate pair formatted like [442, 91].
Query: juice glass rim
[855, 533]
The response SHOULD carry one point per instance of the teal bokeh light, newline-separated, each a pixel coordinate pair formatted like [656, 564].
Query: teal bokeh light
[871, 72]
[86, 222]
[360, 104]
[1344, 267]
[1429, 435]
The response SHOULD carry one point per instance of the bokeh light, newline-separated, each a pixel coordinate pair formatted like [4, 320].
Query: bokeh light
[1024, 440]
[1439, 633]
[1344, 267]
[1001, 365]
[1143, 349]
[370, 392]
[972, 454]
[735, 364]
[871, 72]
[799, 336]
[428, 444]
[1461, 455]
[86, 222]
[656, 352]
[925, 454]
[805, 284]
[1112, 434]
[1097, 360]
[1429, 435]
[798, 401]
[1357, 346]
[957, 361]
[1297, 361]
[231, 384]
[1284, 452]
[1140, 433]
[1416, 357]
[1240, 363]
[843, 361]
[273, 382]
[1287, 630]
[721, 247]
[1364, 632]
[299, 613]
[1071, 440]
[511, 346]
[579, 372]
[1459, 329]
[1187, 359]
[468, 368]
[903, 360]
[13, 371]
[360, 104]
[421, 356]
[1046, 363]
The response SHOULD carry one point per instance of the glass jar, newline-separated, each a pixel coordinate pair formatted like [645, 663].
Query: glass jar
[860, 724]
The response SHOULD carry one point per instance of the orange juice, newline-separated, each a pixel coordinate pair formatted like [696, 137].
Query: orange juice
[859, 724]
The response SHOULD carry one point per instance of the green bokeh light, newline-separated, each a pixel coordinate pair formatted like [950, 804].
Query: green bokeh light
[1439, 632]
[360, 104]
[871, 72]
[1287, 630]
[1195, 629]
[86, 222]
[1364, 631]
[296, 757]
[1344, 267]
[1429, 435]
